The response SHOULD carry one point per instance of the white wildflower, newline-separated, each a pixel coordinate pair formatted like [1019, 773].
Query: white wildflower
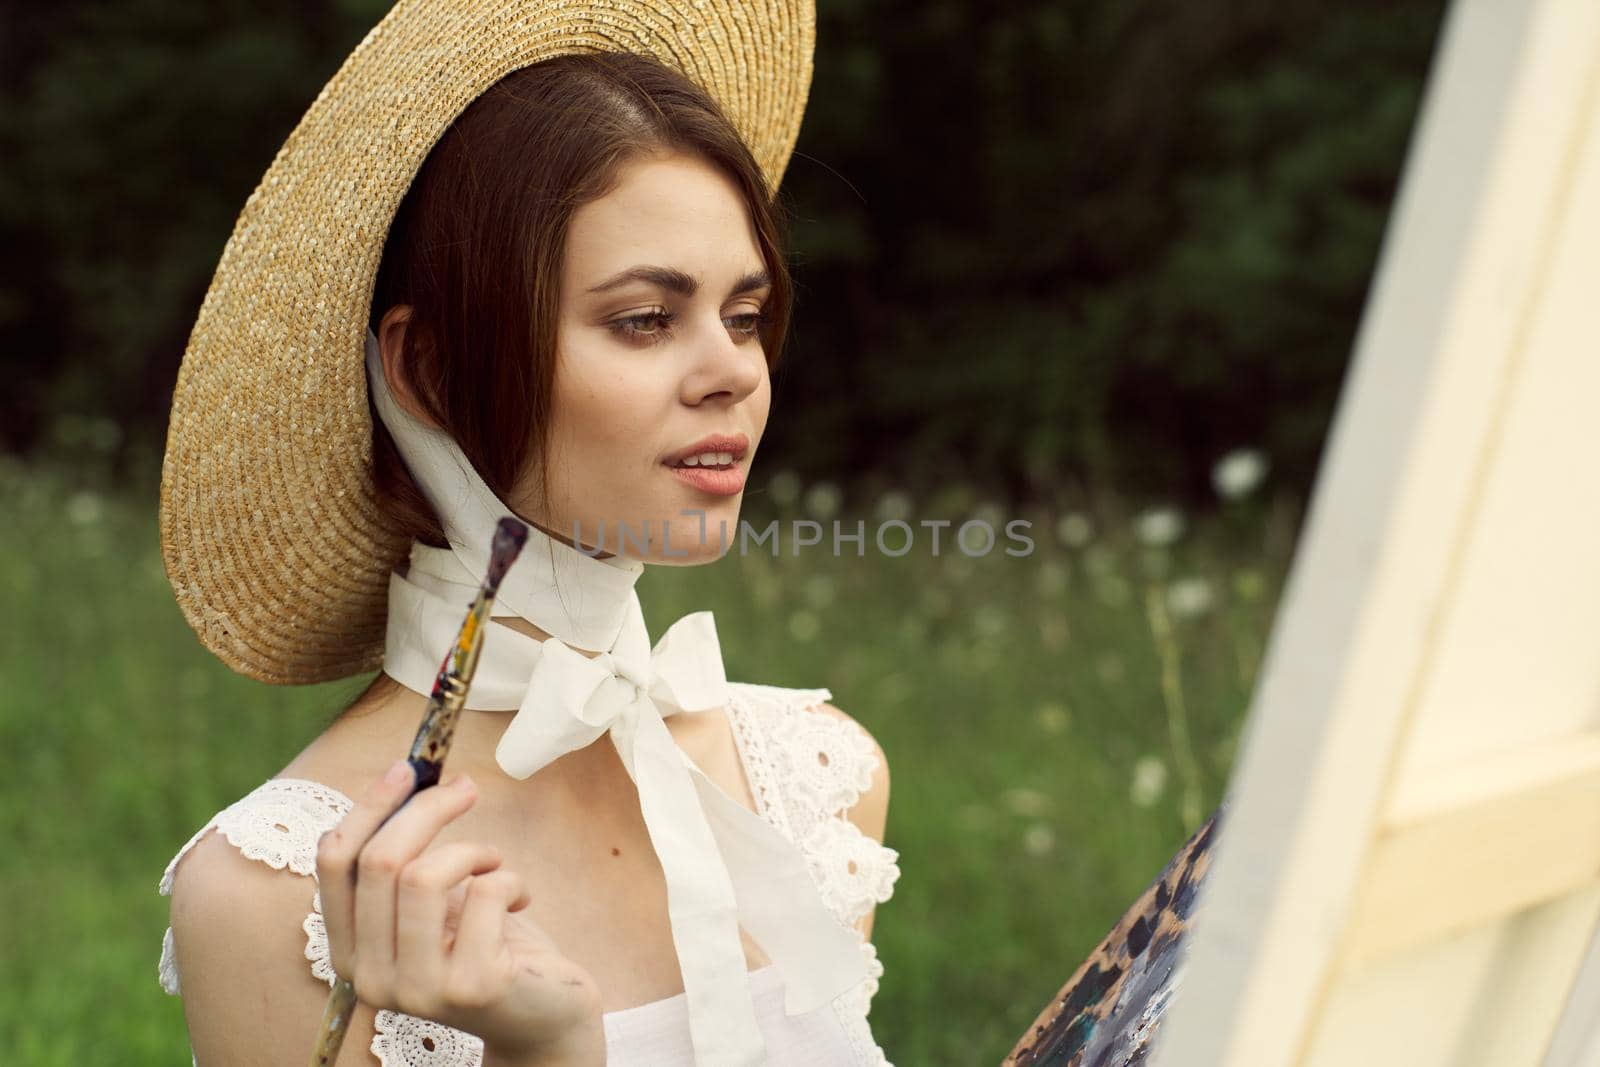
[784, 488]
[1023, 801]
[819, 591]
[1052, 718]
[822, 500]
[1052, 578]
[1158, 527]
[1189, 597]
[1149, 779]
[1039, 839]
[85, 508]
[990, 621]
[1238, 473]
[991, 514]
[894, 504]
[1075, 529]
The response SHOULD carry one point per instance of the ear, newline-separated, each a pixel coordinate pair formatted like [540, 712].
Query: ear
[391, 334]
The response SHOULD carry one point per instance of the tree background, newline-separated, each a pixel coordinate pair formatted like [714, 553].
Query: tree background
[1050, 249]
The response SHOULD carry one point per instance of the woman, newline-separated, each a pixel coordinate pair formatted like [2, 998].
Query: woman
[575, 314]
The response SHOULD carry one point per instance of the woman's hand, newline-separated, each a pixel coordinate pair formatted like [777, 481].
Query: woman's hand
[440, 932]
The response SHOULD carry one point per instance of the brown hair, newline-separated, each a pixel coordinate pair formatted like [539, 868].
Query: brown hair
[477, 243]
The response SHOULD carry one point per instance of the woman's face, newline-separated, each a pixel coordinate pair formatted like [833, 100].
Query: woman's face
[658, 350]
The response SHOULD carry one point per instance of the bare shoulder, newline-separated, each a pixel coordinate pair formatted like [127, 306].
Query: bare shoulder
[871, 811]
[239, 945]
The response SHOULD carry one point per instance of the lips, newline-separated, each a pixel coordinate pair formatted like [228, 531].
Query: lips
[735, 444]
[718, 481]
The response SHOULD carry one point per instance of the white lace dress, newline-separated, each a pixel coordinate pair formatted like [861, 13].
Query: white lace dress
[806, 769]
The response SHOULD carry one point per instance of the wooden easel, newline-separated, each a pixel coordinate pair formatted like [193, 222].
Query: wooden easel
[1408, 872]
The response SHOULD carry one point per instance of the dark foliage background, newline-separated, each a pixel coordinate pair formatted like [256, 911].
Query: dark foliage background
[1048, 248]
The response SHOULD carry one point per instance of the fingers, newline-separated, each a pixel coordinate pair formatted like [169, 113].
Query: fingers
[424, 901]
[397, 843]
[338, 849]
[480, 937]
[359, 861]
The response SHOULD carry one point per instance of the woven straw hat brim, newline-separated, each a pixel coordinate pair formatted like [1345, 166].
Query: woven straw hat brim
[270, 530]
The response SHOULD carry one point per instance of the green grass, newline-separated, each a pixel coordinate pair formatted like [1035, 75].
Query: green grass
[1013, 696]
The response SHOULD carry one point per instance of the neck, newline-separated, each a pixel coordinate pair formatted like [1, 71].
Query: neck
[523, 626]
[588, 550]
[550, 565]
[385, 719]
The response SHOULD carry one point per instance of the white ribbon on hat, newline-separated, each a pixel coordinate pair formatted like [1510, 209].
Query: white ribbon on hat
[724, 864]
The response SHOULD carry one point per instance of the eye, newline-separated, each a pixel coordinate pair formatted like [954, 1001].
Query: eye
[654, 327]
[632, 327]
[752, 323]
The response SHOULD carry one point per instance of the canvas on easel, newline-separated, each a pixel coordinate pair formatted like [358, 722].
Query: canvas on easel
[1409, 870]
[1408, 867]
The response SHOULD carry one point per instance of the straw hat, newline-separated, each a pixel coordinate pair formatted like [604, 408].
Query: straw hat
[270, 528]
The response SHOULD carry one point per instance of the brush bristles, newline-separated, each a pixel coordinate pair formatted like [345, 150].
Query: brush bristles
[509, 536]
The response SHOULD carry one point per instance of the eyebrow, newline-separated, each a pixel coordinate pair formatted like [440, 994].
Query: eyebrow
[676, 281]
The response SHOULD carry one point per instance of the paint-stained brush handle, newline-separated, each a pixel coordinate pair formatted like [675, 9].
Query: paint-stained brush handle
[432, 743]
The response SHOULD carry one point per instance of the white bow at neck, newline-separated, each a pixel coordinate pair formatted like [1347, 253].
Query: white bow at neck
[725, 866]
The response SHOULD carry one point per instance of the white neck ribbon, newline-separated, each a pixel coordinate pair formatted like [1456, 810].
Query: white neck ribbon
[725, 865]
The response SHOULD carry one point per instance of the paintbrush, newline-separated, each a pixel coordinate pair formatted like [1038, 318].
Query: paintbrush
[432, 743]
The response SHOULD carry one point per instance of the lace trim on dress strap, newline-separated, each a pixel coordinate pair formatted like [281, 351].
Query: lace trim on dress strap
[853, 1008]
[409, 1041]
[829, 762]
[279, 823]
[807, 770]
[761, 761]
[397, 1038]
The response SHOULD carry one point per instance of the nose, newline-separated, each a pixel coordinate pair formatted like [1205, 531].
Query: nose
[724, 368]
